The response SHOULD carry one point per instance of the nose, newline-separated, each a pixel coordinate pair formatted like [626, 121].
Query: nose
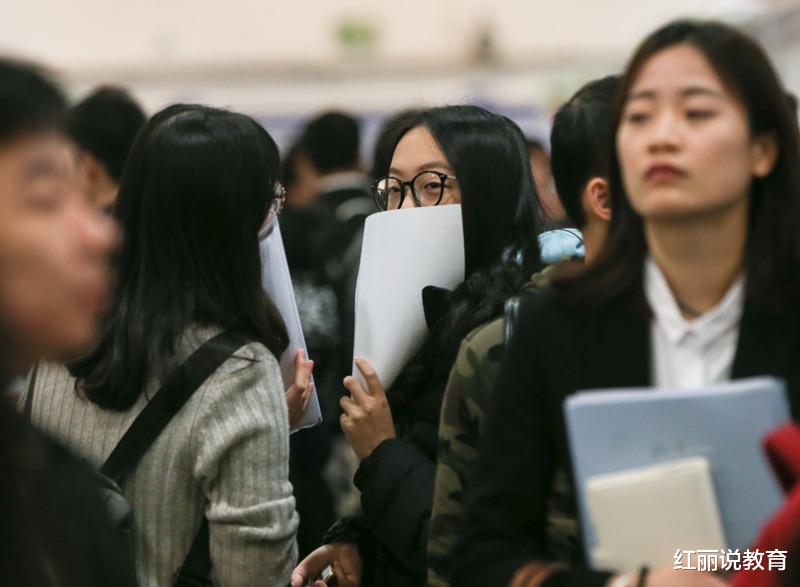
[665, 133]
[408, 200]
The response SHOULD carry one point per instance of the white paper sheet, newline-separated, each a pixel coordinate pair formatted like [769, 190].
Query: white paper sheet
[277, 283]
[403, 251]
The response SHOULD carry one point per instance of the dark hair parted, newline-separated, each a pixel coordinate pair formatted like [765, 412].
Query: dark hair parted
[29, 101]
[772, 254]
[196, 190]
[579, 143]
[500, 212]
[331, 141]
[105, 124]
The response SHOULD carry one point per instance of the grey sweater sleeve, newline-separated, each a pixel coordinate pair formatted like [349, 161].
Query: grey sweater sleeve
[240, 439]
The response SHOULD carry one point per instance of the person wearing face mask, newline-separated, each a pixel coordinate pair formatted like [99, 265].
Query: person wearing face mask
[447, 155]
[54, 251]
[698, 282]
[199, 186]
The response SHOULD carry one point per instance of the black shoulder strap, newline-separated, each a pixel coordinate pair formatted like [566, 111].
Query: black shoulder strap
[511, 311]
[196, 568]
[167, 402]
[29, 396]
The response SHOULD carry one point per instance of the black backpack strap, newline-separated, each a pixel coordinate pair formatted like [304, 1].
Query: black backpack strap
[167, 402]
[28, 409]
[511, 312]
[196, 568]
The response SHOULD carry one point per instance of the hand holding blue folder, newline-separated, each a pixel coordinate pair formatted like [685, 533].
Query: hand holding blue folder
[617, 430]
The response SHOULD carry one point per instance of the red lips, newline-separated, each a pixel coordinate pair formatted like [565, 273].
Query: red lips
[663, 172]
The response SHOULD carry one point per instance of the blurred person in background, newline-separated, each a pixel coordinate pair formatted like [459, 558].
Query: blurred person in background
[199, 186]
[104, 126]
[54, 252]
[449, 155]
[698, 282]
[328, 201]
[579, 140]
[554, 214]
[331, 144]
[323, 448]
[316, 298]
[300, 178]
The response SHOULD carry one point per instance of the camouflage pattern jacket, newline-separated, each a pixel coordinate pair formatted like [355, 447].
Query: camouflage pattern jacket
[464, 408]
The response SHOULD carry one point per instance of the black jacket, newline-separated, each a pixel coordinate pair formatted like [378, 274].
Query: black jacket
[555, 352]
[55, 529]
[396, 483]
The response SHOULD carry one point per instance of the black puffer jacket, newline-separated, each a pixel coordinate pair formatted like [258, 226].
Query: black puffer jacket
[396, 483]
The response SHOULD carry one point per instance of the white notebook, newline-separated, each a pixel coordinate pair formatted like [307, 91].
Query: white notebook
[643, 515]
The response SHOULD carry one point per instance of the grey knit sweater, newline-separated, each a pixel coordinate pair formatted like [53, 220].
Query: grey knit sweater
[225, 455]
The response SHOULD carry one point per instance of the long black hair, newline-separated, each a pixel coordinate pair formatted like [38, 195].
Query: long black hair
[195, 191]
[772, 254]
[500, 213]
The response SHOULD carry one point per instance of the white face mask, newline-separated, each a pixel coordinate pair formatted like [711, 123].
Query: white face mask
[403, 251]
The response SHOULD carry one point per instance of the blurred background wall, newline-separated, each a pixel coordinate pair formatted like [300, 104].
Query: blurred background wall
[283, 60]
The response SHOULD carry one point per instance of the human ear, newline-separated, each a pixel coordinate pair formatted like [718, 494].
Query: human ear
[597, 199]
[764, 153]
[92, 167]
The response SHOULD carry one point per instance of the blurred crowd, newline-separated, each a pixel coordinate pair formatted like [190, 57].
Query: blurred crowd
[150, 436]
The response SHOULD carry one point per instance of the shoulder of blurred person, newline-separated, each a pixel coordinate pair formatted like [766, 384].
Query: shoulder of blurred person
[55, 529]
[342, 207]
[345, 194]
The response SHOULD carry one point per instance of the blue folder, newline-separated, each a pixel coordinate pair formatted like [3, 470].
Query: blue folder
[614, 430]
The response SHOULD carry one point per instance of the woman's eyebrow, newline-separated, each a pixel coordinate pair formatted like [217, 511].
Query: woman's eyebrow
[424, 167]
[685, 93]
[433, 165]
[641, 95]
[700, 91]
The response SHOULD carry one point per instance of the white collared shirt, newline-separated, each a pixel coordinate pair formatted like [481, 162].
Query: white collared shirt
[691, 354]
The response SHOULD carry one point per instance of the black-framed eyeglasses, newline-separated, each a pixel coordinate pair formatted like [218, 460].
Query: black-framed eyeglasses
[278, 202]
[427, 189]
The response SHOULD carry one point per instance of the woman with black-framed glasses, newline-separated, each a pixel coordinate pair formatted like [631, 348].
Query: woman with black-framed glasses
[426, 188]
[450, 155]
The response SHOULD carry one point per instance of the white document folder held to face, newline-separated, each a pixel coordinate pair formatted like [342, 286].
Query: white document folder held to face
[629, 443]
[278, 284]
[403, 251]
